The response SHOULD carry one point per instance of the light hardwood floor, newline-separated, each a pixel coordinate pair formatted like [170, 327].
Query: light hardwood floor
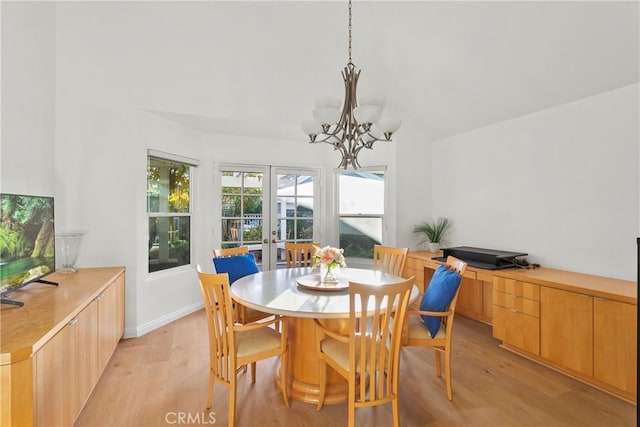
[158, 378]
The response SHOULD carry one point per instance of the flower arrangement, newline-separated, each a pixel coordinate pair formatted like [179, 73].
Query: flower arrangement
[331, 257]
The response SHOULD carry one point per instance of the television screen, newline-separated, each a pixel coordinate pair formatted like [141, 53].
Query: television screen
[27, 240]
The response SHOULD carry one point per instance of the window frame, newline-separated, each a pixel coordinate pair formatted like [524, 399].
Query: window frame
[383, 216]
[191, 164]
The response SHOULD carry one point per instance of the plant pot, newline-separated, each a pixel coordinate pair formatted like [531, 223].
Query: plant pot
[434, 247]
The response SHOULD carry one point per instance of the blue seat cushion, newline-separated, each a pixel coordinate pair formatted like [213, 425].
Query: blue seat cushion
[236, 266]
[442, 288]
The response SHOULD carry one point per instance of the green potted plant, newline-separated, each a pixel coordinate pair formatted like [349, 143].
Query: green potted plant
[433, 232]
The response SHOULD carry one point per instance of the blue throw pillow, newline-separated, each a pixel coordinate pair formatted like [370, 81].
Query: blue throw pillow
[442, 288]
[236, 266]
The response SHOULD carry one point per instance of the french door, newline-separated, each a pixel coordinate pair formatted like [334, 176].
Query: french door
[263, 207]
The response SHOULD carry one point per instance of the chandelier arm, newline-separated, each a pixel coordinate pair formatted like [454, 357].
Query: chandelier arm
[336, 135]
[347, 135]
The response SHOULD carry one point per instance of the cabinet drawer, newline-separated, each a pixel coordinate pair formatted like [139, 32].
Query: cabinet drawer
[517, 303]
[516, 287]
[516, 329]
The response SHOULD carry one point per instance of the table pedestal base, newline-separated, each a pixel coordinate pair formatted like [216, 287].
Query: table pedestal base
[304, 366]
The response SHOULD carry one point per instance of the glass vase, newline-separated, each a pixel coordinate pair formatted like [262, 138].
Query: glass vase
[329, 274]
[69, 246]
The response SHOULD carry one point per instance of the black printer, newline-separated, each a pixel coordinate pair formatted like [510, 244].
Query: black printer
[489, 259]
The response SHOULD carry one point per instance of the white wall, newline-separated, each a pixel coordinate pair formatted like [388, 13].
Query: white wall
[28, 96]
[114, 65]
[105, 65]
[561, 184]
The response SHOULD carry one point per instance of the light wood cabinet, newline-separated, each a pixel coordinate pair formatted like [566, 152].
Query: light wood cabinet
[109, 320]
[66, 370]
[516, 314]
[566, 329]
[56, 346]
[475, 298]
[615, 339]
[86, 364]
[582, 325]
[54, 391]
[415, 267]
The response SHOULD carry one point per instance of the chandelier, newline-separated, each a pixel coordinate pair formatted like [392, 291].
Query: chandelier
[356, 126]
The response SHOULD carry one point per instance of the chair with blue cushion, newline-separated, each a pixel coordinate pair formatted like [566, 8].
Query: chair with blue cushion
[238, 262]
[429, 321]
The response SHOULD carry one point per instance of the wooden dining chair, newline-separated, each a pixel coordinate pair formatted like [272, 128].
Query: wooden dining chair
[243, 313]
[389, 259]
[429, 320]
[300, 254]
[231, 251]
[232, 345]
[369, 356]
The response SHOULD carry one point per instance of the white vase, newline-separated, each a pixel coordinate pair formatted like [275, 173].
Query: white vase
[434, 247]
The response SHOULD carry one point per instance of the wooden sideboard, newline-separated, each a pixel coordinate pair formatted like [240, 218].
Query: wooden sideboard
[582, 325]
[55, 347]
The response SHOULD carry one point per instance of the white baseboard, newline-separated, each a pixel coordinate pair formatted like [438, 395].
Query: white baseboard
[161, 321]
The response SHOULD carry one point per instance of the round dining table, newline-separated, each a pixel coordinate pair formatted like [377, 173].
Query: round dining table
[297, 294]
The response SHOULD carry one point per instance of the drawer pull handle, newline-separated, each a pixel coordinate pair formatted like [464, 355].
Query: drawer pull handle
[73, 321]
[601, 299]
[584, 295]
[513, 310]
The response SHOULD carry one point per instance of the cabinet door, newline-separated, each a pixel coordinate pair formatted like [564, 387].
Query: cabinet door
[54, 384]
[566, 329]
[470, 298]
[487, 301]
[517, 329]
[415, 267]
[86, 345]
[119, 308]
[615, 335]
[110, 309]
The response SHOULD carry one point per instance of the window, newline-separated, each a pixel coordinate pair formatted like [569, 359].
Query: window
[169, 211]
[360, 211]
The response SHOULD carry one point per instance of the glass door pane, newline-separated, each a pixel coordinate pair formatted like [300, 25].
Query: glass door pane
[295, 208]
[265, 206]
[242, 215]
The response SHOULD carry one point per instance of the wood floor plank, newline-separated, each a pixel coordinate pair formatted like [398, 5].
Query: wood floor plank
[154, 379]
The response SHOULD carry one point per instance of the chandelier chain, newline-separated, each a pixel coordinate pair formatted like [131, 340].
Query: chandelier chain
[349, 31]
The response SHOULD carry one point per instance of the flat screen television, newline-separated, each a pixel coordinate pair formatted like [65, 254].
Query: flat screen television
[27, 241]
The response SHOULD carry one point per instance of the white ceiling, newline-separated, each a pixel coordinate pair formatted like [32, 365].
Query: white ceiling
[445, 67]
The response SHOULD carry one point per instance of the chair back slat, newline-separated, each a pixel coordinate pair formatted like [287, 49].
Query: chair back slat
[389, 259]
[376, 314]
[219, 309]
[299, 254]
